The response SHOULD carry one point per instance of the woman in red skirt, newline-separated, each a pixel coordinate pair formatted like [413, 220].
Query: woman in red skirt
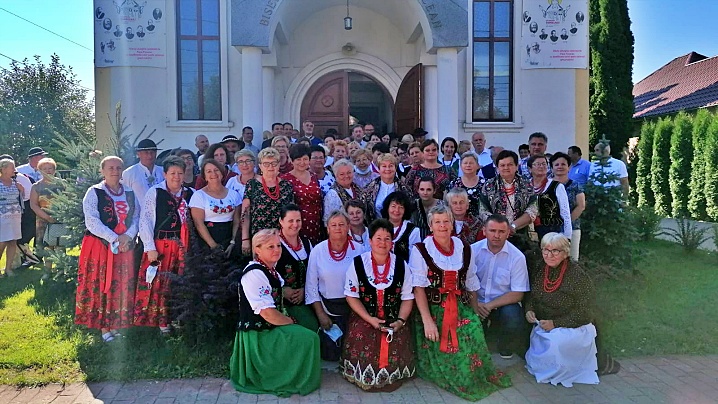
[164, 233]
[106, 274]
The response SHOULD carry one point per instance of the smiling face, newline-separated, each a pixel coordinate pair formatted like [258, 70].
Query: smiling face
[507, 169]
[317, 161]
[9, 170]
[338, 227]
[245, 165]
[381, 242]
[539, 169]
[291, 224]
[270, 251]
[560, 167]
[441, 225]
[426, 190]
[174, 177]
[387, 171]
[212, 174]
[270, 167]
[368, 129]
[449, 150]
[362, 162]
[345, 176]
[301, 164]
[396, 212]
[356, 216]
[111, 171]
[553, 256]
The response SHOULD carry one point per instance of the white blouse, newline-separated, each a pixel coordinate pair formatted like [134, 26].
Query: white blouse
[419, 268]
[384, 191]
[236, 185]
[564, 209]
[414, 237]
[351, 286]
[333, 202]
[326, 276]
[216, 210]
[92, 215]
[364, 243]
[149, 215]
[297, 255]
[258, 290]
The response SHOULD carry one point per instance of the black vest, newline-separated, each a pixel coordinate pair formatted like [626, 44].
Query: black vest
[167, 220]
[106, 208]
[401, 246]
[549, 210]
[293, 271]
[247, 319]
[392, 294]
[435, 274]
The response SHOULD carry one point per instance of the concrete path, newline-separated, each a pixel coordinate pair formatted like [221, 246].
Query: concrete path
[707, 245]
[650, 380]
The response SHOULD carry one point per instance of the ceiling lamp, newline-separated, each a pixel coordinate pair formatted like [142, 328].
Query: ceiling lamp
[347, 19]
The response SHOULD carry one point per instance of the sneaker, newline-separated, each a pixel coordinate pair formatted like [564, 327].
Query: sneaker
[506, 355]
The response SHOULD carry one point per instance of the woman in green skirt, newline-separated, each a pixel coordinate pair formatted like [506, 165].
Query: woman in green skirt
[272, 355]
[450, 346]
[292, 266]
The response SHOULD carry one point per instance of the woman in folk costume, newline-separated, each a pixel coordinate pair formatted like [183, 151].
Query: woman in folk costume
[106, 273]
[164, 232]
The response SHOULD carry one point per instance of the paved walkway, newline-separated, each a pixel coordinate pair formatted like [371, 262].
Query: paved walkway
[707, 245]
[651, 380]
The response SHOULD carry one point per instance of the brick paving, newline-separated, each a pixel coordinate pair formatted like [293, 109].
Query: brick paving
[651, 380]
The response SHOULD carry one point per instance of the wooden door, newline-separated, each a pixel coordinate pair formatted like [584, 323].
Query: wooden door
[327, 104]
[408, 108]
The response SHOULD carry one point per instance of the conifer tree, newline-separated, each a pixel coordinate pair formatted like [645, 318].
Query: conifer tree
[711, 164]
[643, 168]
[697, 199]
[679, 174]
[660, 164]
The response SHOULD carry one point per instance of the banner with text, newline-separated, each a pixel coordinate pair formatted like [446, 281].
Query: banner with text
[130, 33]
[554, 34]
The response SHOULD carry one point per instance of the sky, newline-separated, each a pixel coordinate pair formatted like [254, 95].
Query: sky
[663, 30]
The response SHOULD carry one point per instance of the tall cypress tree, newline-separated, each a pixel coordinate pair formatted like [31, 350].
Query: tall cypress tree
[711, 164]
[697, 200]
[660, 164]
[610, 83]
[679, 174]
[643, 167]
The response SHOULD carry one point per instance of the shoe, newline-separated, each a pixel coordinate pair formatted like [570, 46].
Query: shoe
[115, 333]
[108, 337]
[506, 355]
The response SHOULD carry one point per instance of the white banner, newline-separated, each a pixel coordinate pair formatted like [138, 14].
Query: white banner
[554, 34]
[130, 33]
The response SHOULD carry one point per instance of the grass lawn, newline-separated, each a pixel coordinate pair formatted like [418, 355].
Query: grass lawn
[665, 310]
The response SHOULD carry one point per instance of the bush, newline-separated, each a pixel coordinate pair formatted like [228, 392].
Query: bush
[711, 169]
[697, 198]
[679, 174]
[688, 234]
[660, 164]
[643, 167]
[646, 222]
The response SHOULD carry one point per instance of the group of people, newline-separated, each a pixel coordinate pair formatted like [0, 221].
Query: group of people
[343, 237]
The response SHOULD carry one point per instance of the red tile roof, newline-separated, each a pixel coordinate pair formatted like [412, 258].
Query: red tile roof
[687, 82]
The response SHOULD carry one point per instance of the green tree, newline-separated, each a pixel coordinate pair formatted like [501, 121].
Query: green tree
[610, 82]
[660, 164]
[697, 200]
[38, 102]
[711, 166]
[681, 154]
[643, 167]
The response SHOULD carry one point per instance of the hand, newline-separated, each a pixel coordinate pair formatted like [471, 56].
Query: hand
[396, 325]
[300, 296]
[430, 331]
[375, 322]
[246, 247]
[324, 321]
[125, 241]
[228, 250]
[531, 317]
[152, 256]
[483, 310]
[547, 325]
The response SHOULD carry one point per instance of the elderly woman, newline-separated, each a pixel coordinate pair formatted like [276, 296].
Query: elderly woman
[292, 266]
[554, 214]
[338, 150]
[467, 227]
[281, 144]
[560, 164]
[10, 213]
[271, 354]
[397, 209]
[264, 197]
[510, 195]
[324, 290]
[378, 189]
[219, 153]
[343, 190]
[165, 235]
[215, 209]
[41, 196]
[563, 341]
[307, 194]
[416, 156]
[470, 180]
[245, 160]
[423, 204]
[190, 179]
[358, 232]
[431, 168]
[378, 290]
[453, 352]
[106, 275]
[317, 165]
[363, 173]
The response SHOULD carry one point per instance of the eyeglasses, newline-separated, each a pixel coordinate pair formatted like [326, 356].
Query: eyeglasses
[245, 162]
[539, 165]
[268, 164]
[187, 158]
[315, 158]
[550, 252]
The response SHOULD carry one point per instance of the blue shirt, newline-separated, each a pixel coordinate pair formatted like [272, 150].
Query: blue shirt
[579, 172]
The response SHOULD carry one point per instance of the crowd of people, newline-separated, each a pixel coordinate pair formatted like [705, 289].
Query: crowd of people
[391, 256]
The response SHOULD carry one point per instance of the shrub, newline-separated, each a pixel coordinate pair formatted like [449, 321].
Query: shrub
[643, 167]
[697, 198]
[711, 167]
[646, 222]
[660, 164]
[688, 234]
[679, 174]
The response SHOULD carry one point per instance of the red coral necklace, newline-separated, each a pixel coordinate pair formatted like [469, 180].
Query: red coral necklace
[284, 238]
[119, 193]
[381, 277]
[443, 252]
[338, 255]
[274, 195]
[550, 286]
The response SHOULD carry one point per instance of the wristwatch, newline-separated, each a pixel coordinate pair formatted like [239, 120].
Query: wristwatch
[513, 226]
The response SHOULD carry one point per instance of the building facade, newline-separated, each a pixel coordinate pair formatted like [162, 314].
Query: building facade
[453, 67]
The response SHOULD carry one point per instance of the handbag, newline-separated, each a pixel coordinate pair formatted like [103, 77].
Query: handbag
[54, 235]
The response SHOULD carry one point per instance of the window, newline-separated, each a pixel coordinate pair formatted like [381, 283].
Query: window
[492, 78]
[200, 95]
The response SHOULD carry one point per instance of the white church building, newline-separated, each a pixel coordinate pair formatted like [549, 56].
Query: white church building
[507, 68]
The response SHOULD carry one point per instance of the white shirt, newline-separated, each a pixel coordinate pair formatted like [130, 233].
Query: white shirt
[257, 289]
[364, 243]
[564, 208]
[613, 166]
[485, 157]
[33, 173]
[500, 273]
[384, 191]
[216, 210]
[140, 179]
[92, 215]
[333, 202]
[351, 286]
[26, 184]
[419, 268]
[236, 185]
[149, 215]
[326, 276]
[414, 237]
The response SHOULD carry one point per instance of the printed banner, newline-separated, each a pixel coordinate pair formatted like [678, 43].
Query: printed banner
[554, 34]
[130, 33]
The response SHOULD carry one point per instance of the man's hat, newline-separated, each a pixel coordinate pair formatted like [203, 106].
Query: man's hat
[146, 144]
[419, 132]
[6, 157]
[408, 138]
[36, 151]
[230, 138]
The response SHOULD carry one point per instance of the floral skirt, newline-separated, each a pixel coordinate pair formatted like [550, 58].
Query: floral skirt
[467, 370]
[113, 307]
[281, 361]
[151, 300]
[370, 361]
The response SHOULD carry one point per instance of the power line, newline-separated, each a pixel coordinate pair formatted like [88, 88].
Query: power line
[41, 27]
[17, 61]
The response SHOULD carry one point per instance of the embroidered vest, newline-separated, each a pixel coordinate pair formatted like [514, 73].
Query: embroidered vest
[168, 222]
[401, 246]
[106, 208]
[549, 210]
[436, 274]
[368, 294]
[293, 271]
[247, 319]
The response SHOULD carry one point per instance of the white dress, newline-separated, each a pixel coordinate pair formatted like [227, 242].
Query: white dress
[573, 348]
